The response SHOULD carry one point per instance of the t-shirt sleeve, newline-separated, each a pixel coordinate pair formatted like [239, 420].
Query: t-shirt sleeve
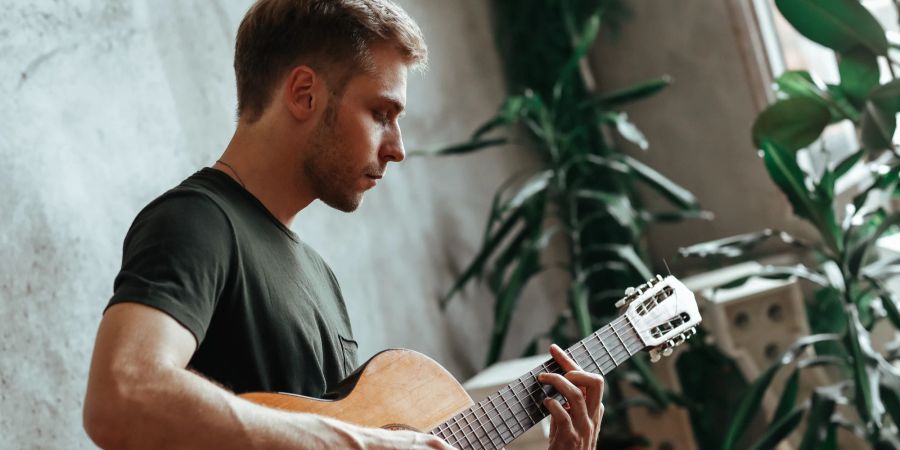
[176, 258]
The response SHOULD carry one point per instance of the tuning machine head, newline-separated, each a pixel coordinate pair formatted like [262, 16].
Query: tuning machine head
[632, 293]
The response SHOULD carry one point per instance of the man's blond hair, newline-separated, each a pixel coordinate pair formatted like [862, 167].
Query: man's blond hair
[334, 37]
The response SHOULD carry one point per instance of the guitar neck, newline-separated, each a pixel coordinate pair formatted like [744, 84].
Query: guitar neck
[505, 415]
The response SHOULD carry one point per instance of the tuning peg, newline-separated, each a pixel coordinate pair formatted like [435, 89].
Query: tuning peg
[654, 355]
[667, 351]
[629, 292]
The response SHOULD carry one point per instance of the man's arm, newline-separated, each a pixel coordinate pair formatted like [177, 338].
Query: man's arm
[140, 395]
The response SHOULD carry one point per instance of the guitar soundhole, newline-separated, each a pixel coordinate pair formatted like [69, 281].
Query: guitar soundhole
[400, 427]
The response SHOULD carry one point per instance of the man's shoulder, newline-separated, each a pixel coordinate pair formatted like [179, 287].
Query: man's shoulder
[193, 206]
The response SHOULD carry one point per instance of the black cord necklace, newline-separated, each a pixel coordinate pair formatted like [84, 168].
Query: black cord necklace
[232, 171]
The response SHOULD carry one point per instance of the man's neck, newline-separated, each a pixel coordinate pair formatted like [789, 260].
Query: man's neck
[267, 169]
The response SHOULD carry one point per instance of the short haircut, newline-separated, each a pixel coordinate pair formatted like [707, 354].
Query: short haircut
[333, 37]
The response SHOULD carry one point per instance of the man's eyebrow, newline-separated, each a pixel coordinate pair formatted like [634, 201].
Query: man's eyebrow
[395, 103]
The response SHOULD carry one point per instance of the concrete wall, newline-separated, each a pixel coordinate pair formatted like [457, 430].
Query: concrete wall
[107, 103]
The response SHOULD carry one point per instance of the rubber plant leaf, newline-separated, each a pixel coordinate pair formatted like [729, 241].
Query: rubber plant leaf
[787, 174]
[837, 24]
[859, 73]
[792, 123]
[879, 120]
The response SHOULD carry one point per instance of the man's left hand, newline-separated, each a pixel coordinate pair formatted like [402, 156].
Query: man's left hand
[576, 425]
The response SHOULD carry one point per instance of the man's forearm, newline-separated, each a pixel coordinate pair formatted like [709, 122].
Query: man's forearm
[175, 408]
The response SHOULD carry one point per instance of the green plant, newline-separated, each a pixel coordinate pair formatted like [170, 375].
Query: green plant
[582, 196]
[850, 275]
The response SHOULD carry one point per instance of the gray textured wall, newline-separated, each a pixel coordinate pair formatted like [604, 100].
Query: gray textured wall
[107, 103]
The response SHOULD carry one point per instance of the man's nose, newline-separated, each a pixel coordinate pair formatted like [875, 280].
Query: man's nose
[392, 148]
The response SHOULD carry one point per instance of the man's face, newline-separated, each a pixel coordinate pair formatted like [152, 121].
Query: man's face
[359, 133]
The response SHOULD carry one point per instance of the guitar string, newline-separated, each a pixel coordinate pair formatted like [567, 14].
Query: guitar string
[462, 421]
[466, 431]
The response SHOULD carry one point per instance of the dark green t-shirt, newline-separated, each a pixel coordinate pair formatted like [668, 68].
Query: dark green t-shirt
[266, 310]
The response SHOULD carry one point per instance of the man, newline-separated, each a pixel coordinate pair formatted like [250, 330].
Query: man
[218, 296]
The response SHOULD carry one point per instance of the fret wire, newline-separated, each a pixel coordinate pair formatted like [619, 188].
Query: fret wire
[453, 435]
[490, 418]
[474, 432]
[509, 407]
[487, 432]
[605, 348]
[503, 421]
[463, 432]
[589, 355]
[611, 326]
[521, 402]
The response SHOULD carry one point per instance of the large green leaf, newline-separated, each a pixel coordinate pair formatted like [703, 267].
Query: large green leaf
[624, 253]
[752, 399]
[890, 395]
[792, 123]
[459, 149]
[788, 397]
[675, 216]
[858, 255]
[584, 43]
[859, 73]
[800, 83]
[735, 246]
[476, 267]
[836, 24]
[533, 186]
[778, 430]
[627, 129]
[617, 205]
[668, 188]
[782, 165]
[866, 377]
[507, 257]
[879, 119]
[528, 265]
[818, 424]
[848, 163]
[629, 94]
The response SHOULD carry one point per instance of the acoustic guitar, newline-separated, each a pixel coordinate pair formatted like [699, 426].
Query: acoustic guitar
[401, 389]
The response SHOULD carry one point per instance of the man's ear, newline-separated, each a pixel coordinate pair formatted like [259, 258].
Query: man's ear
[302, 92]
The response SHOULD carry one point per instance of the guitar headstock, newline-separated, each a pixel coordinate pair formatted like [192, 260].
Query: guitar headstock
[663, 312]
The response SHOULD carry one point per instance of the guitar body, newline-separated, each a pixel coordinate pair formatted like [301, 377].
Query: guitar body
[395, 389]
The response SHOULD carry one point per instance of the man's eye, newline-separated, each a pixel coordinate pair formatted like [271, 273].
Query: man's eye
[381, 116]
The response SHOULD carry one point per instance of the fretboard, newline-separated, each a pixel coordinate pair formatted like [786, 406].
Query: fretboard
[505, 415]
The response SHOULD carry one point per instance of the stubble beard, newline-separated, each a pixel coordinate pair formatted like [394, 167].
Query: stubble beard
[333, 185]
